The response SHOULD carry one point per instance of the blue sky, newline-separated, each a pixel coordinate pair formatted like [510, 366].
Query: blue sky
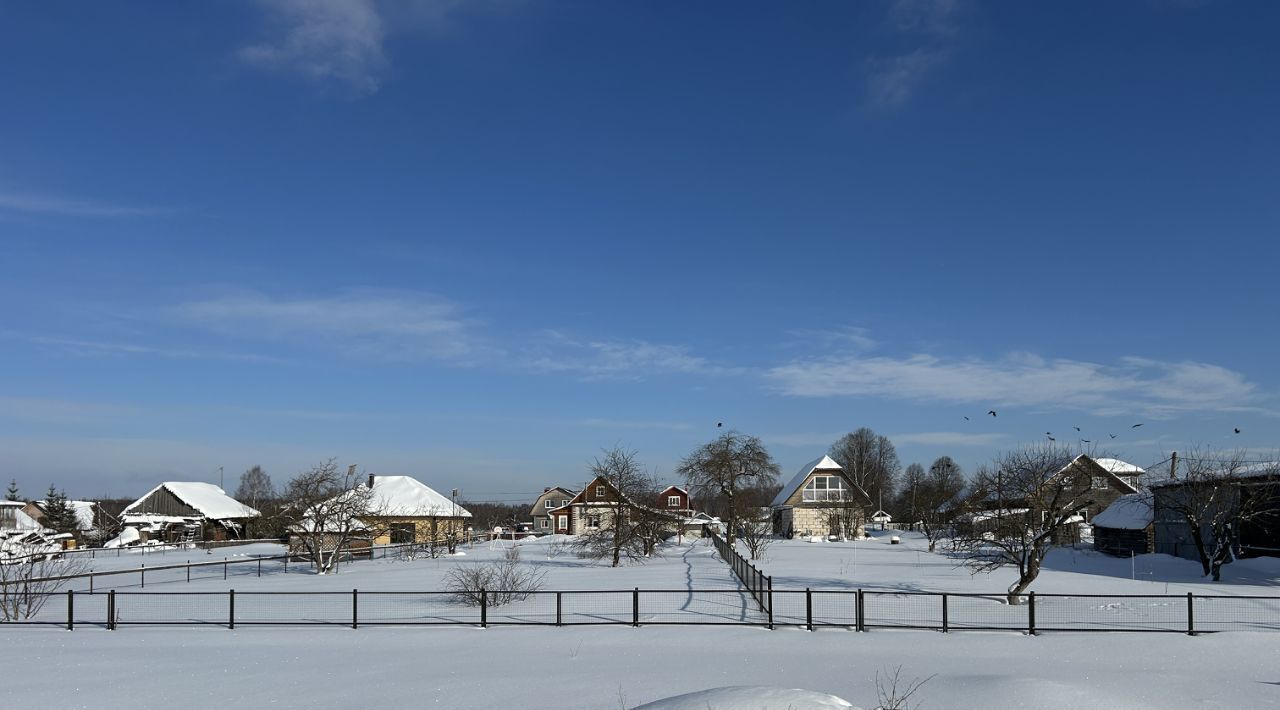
[476, 242]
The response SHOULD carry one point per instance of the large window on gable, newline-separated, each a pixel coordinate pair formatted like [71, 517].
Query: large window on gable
[826, 489]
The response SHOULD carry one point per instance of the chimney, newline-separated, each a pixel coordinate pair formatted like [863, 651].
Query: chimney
[547, 489]
[371, 480]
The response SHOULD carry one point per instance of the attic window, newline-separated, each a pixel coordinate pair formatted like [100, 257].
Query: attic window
[599, 491]
[826, 489]
[1100, 482]
[673, 501]
[549, 503]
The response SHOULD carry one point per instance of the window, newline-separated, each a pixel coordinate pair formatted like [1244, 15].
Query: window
[824, 489]
[1131, 480]
[673, 501]
[599, 491]
[563, 522]
[593, 521]
[544, 523]
[564, 503]
[1100, 482]
[549, 503]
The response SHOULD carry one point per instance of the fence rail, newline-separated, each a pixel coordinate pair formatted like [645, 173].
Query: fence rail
[227, 567]
[859, 610]
[759, 585]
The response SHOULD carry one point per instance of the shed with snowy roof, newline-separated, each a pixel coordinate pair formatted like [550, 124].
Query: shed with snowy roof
[187, 511]
[1126, 526]
[820, 499]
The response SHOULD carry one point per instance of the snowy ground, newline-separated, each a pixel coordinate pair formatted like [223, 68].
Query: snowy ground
[616, 667]
[619, 666]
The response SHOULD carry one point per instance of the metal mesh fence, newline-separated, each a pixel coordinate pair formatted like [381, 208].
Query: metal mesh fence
[854, 609]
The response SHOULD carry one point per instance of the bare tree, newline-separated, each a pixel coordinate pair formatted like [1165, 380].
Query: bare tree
[27, 583]
[255, 490]
[325, 511]
[1015, 513]
[870, 460]
[913, 478]
[726, 466]
[614, 533]
[1216, 495]
[936, 497]
[501, 582]
[756, 528]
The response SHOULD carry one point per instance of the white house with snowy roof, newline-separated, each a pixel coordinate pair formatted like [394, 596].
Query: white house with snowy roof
[187, 511]
[820, 499]
[401, 509]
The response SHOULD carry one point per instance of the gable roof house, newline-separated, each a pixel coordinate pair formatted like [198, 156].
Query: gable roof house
[820, 499]
[398, 510]
[408, 510]
[90, 519]
[587, 509]
[187, 511]
[551, 499]
[675, 500]
[1085, 487]
[1224, 496]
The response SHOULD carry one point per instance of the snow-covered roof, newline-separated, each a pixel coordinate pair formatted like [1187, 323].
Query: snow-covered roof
[1261, 469]
[1119, 467]
[22, 521]
[1129, 512]
[405, 495]
[821, 463]
[210, 500]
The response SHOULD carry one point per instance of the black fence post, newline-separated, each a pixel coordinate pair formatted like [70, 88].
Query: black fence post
[944, 613]
[224, 569]
[71, 610]
[484, 609]
[770, 578]
[808, 608]
[862, 611]
[635, 607]
[1031, 614]
[91, 583]
[1191, 616]
[188, 571]
[111, 610]
[559, 608]
[142, 573]
[259, 566]
[355, 609]
[231, 608]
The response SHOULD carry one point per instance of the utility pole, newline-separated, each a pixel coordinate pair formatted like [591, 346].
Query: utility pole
[1173, 466]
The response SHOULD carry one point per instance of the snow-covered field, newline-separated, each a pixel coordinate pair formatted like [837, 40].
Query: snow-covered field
[619, 666]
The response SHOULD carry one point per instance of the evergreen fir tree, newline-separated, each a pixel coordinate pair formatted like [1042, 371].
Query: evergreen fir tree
[12, 493]
[59, 516]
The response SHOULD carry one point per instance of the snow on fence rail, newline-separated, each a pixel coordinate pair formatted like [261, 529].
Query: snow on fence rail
[859, 610]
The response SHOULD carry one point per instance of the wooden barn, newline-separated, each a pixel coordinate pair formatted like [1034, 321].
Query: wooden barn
[1126, 527]
[187, 511]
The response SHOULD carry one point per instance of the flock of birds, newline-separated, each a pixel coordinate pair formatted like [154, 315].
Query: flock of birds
[1050, 437]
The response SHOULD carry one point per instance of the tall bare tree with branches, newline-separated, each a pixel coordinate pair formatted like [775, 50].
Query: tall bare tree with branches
[326, 510]
[726, 466]
[1215, 496]
[870, 460]
[622, 526]
[1016, 512]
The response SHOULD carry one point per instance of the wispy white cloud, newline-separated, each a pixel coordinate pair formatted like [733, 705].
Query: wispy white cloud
[949, 438]
[893, 80]
[1133, 385]
[933, 26]
[324, 41]
[845, 336]
[66, 207]
[90, 348]
[358, 322]
[619, 359]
